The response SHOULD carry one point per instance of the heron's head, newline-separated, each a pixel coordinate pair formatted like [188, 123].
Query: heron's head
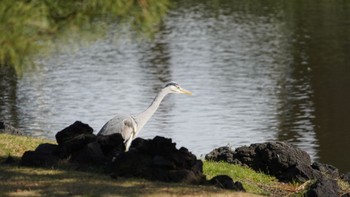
[174, 87]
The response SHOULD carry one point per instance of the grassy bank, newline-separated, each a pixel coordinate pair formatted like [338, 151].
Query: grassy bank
[64, 181]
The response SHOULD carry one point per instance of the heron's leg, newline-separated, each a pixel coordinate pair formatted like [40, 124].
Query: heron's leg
[128, 143]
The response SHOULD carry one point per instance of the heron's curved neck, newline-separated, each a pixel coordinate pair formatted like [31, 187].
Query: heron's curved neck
[143, 117]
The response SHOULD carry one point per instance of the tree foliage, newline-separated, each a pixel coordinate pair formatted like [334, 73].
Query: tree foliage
[28, 26]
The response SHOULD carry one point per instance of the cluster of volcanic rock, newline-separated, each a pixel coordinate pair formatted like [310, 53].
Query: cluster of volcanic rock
[287, 163]
[159, 159]
[153, 159]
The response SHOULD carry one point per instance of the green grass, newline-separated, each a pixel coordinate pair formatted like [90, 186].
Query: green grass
[253, 182]
[17, 145]
[65, 181]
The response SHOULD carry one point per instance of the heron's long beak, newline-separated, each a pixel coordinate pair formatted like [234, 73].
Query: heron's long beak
[184, 91]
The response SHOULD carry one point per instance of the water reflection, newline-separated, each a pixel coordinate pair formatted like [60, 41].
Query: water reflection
[324, 45]
[259, 71]
[8, 95]
[227, 72]
[155, 66]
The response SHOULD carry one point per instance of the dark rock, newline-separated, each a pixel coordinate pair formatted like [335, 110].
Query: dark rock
[132, 164]
[162, 146]
[249, 157]
[47, 148]
[323, 188]
[184, 159]
[38, 159]
[75, 144]
[279, 156]
[275, 158]
[158, 159]
[326, 169]
[8, 129]
[140, 143]
[43, 156]
[226, 182]
[346, 177]
[300, 173]
[111, 144]
[90, 154]
[157, 146]
[163, 163]
[68, 133]
[224, 153]
[197, 167]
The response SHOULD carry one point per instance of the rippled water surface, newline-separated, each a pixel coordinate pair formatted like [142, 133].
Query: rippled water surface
[259, 72]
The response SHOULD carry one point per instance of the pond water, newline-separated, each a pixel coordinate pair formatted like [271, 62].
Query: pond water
[259, 71]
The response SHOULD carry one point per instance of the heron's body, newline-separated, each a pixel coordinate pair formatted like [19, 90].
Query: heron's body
[129, 126]
[120, 123]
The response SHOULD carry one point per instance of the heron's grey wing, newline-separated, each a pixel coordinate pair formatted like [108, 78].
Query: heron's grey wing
[114, 125]
[118, 124]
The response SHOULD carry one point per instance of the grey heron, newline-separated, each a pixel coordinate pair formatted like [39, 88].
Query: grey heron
[130, 125]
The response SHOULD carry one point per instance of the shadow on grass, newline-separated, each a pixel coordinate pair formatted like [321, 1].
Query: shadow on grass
[17, 180]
